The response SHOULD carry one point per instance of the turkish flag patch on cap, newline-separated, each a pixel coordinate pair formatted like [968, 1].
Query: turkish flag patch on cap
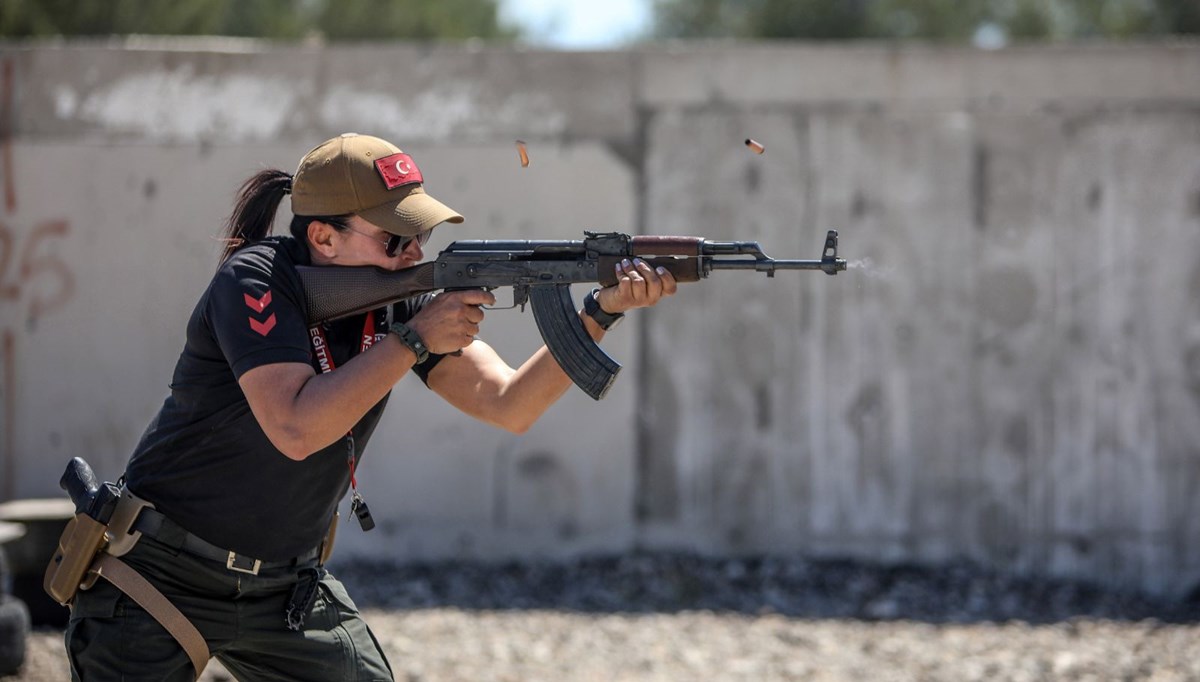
[398, 170]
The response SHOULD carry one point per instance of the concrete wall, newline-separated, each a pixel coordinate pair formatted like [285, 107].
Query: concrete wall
[1010, 370]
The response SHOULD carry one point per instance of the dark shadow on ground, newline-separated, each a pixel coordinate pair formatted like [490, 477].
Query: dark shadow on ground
[799, 588]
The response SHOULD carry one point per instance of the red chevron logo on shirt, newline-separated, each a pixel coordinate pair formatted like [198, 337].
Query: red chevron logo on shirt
[258, 304]
[264, 327]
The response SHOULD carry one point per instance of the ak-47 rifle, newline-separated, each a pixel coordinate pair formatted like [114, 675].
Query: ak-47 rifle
[541, 272]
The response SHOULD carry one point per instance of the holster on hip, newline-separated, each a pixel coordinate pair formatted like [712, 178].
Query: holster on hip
[89, 547]
[83, 539]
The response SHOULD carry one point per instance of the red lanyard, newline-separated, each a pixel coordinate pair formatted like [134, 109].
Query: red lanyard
[321, 345]
[325, 361]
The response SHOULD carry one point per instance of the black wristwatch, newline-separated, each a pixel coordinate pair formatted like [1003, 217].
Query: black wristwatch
[411, 339]
[591, 307]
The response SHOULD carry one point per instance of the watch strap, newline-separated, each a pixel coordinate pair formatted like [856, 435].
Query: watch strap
[412, 339]
[591, 307]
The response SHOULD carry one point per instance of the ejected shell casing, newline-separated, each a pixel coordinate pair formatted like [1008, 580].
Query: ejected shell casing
[755, 146]
[524, 154]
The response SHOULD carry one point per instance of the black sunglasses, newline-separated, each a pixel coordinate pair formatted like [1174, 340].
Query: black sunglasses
[396, 243]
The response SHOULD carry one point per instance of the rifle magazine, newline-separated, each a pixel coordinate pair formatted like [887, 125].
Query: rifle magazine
[572, 347]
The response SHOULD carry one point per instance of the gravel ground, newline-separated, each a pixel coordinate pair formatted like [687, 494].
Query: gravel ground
[674, 617]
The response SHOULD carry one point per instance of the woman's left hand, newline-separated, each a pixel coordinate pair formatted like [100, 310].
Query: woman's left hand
[638, 286]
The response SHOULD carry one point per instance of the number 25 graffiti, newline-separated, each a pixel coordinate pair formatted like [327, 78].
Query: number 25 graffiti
[34, 269]
[34, 280]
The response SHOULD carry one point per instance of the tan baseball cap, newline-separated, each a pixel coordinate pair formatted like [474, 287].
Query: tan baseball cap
[371, 178]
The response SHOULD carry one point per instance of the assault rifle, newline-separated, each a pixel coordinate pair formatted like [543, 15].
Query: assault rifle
[541, 272]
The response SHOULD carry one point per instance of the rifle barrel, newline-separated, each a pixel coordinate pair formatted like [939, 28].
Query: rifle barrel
[770, 265]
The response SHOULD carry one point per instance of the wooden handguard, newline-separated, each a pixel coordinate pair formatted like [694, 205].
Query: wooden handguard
[680, 256]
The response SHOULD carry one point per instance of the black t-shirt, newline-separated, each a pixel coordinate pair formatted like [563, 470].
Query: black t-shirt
[204, 461]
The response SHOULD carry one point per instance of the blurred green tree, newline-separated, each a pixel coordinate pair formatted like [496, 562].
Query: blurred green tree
[935, 20]
[337, 20]
[425, 20]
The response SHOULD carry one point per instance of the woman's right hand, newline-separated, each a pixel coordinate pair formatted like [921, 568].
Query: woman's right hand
[450, 322]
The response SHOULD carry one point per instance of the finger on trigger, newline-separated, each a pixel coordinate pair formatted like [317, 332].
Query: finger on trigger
[478, 297]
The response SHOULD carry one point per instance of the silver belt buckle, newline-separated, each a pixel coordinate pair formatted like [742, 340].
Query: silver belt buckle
[231, 564]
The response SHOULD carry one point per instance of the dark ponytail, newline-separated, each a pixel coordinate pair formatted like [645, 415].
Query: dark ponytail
[254, 213]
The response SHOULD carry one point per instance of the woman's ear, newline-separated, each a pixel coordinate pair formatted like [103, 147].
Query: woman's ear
[322, 238]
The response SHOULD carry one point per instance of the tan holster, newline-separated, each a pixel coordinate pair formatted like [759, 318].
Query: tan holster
[88, 550]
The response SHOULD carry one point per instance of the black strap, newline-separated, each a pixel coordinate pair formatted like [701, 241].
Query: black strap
[304, 593]
[153, 524]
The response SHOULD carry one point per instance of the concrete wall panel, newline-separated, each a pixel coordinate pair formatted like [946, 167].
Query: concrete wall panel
[941, 402]
[920, 77]
[226, 92]
[112, 245]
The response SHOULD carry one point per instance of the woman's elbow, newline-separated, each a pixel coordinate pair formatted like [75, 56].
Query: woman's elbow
[516, 422]
[296, 452]
[290, 442]
[517, 428]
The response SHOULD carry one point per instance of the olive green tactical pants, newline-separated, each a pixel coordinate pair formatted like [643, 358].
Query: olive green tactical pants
[241, 616]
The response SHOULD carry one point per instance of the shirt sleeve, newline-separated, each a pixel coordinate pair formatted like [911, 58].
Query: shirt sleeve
[256, 311]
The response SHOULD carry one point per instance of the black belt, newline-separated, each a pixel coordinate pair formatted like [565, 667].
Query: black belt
[153, 524]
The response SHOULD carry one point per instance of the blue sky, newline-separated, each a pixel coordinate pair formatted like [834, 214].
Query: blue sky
[580, 24]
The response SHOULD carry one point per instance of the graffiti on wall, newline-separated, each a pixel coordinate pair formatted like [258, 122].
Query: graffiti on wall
[34, 281]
